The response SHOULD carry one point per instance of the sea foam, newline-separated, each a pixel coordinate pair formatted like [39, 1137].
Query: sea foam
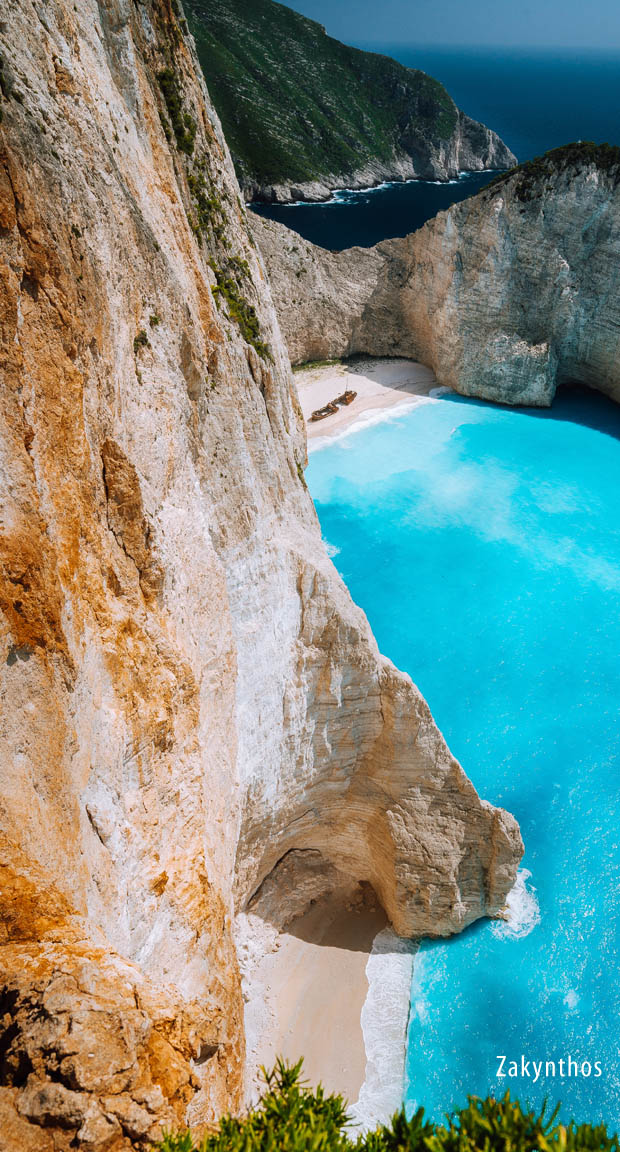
[385, 1017]
[331, 549]
[522, 908]
[366, 420]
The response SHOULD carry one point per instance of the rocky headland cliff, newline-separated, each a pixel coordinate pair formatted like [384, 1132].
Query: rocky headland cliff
[192, 706]
[506, 295]
[304, 114]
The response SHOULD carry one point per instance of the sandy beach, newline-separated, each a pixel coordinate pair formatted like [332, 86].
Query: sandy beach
[307, 994]
[310, 989]
[333, 987]
[380, 384]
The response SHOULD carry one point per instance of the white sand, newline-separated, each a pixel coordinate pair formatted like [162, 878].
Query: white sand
[380, 385]
[307, 994]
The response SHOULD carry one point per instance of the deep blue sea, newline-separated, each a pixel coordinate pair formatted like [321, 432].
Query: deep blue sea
[535, 100]
[484, 545]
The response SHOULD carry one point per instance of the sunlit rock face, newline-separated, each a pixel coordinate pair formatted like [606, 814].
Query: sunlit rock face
[505, 295]
[188, 691]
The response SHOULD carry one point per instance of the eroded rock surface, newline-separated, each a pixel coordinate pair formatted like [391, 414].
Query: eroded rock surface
[506, 295]
[188, 692]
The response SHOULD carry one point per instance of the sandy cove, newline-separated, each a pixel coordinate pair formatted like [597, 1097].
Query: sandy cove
[381, 384]
[334, 987]
[306, 992]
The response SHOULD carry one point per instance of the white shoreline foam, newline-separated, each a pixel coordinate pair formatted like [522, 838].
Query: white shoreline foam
[385, 1020]
[366, 420]
[336, 193]
[522, 910]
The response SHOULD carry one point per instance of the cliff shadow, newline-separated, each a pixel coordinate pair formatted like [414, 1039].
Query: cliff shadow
[307, 897]
[341, 920]
[573, 402]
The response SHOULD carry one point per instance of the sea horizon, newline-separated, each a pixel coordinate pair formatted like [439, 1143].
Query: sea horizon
[535, 99]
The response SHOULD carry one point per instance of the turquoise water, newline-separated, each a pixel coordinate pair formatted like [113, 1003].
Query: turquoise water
[484, 545]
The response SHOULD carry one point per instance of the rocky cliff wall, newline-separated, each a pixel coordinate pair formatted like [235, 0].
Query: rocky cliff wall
[188, 692]
[471, 147]
[506, 295]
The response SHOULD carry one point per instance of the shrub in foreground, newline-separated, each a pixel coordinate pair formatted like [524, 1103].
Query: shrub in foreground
[290, 1117]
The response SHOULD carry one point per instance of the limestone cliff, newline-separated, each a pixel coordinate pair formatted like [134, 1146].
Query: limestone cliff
[505, 296]
[188, 692]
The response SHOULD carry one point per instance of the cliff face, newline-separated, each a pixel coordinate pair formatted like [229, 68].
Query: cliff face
[304, 114]
[505, 296]
[188, 692]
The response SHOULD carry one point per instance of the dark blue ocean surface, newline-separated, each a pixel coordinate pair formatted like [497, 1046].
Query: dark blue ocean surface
[535, 100]
[484, 545]
[365, 218]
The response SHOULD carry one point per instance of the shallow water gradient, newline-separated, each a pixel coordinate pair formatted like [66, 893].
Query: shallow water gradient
[484, 545]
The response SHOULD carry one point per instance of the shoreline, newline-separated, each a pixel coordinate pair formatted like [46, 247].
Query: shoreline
[385, 1026]
[334, 988]
[385, 387]
[333, 197]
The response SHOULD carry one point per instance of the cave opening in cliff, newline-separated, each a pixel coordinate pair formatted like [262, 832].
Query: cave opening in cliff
[309, 897]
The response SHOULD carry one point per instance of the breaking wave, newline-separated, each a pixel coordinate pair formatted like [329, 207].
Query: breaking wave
[522, 909]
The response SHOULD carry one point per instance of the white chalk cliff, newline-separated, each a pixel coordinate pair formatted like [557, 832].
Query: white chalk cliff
[506, 295]
[188, 692]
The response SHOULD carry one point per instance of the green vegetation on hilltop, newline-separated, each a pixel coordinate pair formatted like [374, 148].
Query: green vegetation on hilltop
[297, 105]
[292, 1118]
[526, 178]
